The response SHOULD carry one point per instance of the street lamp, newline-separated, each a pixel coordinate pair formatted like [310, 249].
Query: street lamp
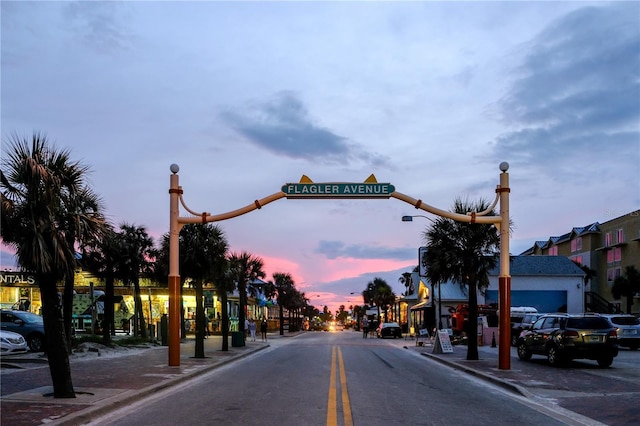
[410, 219]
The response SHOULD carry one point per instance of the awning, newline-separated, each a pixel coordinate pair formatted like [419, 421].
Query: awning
[421, 305]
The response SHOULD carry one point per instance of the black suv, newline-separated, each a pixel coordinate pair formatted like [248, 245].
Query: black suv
[563, 337]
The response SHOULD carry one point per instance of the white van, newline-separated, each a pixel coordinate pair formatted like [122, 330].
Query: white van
[522, 310]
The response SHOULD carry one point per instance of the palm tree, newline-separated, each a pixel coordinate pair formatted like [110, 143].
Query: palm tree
[285, 288]
[82, 213]
[38, 187]
[203, 248]
[246, 268]
[627, 285]
[138, 251]
[224, 284]
[101, 257]
[407, 280]
[383, 295]
[464, 253]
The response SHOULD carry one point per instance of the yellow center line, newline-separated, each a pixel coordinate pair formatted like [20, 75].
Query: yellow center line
[346, 406]
[332, 404]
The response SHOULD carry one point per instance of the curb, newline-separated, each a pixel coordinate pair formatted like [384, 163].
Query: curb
[86, 415]
[487, 377]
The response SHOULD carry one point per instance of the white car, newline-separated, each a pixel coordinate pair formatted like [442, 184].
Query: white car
[627, 328]
[12, 343]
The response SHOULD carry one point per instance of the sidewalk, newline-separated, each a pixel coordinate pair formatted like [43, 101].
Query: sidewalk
[104, 386]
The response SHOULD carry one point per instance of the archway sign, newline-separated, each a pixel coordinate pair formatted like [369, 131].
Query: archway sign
[370, 188]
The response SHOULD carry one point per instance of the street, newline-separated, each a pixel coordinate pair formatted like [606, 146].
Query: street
[334, 379]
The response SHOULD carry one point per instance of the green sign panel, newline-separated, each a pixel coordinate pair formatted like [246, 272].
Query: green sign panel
[338, 190]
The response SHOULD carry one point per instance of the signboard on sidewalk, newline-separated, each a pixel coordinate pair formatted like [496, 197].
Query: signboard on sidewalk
[443, 343]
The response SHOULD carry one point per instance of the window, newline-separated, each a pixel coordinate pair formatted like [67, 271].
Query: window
[620, 236]
[609, 256]
[617, 254]
[553, 251]
[607, 239]
[610, 274]
[576, 244]
[577, 259]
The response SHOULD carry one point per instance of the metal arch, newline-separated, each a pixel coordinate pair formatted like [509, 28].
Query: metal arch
[501, 222]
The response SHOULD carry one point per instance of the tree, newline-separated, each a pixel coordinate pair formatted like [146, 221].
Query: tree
[407, 280]
[102, 257]
[137, 259]
[627, 285]
[203, 248]
[82, 217]
[246, 268]
[39, 184]
[382, 295]
[464, 253]
[224, 284]
[284, 288]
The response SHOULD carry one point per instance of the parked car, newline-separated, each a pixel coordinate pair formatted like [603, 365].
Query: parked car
[517, 328]
[27, 324]
[389, 329]
[563, 337]
[628, 329]
[12, 343]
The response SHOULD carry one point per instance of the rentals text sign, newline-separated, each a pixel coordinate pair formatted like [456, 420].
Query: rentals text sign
[338, 190]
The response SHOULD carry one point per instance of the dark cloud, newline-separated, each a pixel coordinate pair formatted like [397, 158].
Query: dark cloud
[337, 249]
[283, 126]
[576, 92]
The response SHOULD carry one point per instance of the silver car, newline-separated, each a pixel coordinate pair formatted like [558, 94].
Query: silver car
[12, 343]
[628, 329]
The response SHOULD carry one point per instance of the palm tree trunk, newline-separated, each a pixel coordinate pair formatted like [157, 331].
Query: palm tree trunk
[199, 353]
[281, 320]
[242, 290]
[109, 321]
[225, 321]
[55, 338]
[472, 323]
[139, 313]
[67, 309]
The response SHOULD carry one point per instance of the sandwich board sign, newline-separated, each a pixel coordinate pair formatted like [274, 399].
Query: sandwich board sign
[442, 344]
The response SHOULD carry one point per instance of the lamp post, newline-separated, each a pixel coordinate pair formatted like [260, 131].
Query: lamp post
[410, 219]
[502, 223]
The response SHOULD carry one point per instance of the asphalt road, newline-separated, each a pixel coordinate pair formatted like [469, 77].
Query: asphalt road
[335, 379]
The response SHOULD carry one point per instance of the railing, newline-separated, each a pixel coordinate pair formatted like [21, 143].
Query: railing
[593, 302]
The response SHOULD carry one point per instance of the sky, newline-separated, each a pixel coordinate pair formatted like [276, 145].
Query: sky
[246, 96]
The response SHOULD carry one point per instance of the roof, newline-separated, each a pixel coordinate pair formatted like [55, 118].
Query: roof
[540, 265]
[451, 291]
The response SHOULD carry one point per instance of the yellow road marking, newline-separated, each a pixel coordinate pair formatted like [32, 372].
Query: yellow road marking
[346, 406]
[332, 404]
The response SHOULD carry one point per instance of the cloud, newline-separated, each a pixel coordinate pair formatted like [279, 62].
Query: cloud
[577, 89]
[282, 126]
[99, 24]
[337, 249]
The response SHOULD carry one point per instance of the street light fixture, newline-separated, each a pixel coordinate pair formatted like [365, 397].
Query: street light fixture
[410, 219]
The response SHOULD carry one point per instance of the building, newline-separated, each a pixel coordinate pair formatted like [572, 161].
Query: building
[547, 283]
[605, 249]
